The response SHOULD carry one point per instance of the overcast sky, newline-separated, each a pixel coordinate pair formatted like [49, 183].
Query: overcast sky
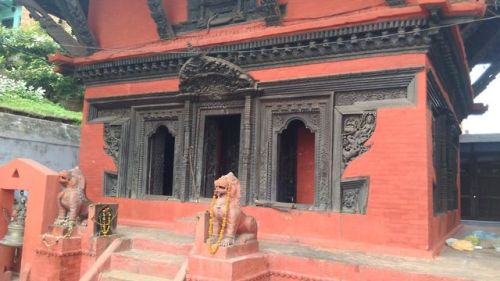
[489, 122]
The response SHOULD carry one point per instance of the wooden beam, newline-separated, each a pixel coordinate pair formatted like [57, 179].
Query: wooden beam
[163, 25]
[57, 32]
[488, 46]
[76, 18]
[469, 29]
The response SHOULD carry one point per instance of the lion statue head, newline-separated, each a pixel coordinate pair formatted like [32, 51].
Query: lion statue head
[72, 178]
[225, 183]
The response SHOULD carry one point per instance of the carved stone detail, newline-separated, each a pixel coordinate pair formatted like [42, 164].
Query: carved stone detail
[163, 25]
[112, 136]
[356, 130]
[213, 77]
[354, 195]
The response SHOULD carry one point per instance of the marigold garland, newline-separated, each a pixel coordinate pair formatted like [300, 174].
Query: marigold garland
[213, 250]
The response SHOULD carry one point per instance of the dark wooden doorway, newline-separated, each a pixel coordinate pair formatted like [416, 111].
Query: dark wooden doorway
[221, 149]
[480, 179]
[161, 163]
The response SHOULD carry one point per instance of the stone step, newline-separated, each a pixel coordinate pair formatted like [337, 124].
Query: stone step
[154, 263]
[118, 275]
[178, 248]
[150, 239]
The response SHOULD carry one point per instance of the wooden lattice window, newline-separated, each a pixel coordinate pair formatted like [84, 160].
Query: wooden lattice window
[445, 157]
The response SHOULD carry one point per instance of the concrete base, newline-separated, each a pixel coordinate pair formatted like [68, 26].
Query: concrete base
[248, 267]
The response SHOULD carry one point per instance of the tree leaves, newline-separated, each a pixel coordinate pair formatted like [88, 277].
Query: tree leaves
[23, 57]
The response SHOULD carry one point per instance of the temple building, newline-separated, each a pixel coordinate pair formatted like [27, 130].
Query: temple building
[339, 118]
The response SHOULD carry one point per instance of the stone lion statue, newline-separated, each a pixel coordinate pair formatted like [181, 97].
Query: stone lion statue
[238, 227]
[73, 203]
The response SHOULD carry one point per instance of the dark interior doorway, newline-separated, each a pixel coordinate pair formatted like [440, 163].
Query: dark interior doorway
[480, 177]
[295, 182]
[221, 149]
[161, 163]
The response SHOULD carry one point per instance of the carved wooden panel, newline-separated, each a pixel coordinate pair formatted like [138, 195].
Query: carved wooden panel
[212, 77]
[147, 120]
[112, 137]
[354, 195]
[356, 130]
[163, 25]
[110, 184]
[209, 13]
[315, 113]
[351, 98]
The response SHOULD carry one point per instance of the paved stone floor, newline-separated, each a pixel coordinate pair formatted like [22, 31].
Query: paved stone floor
[480, 265]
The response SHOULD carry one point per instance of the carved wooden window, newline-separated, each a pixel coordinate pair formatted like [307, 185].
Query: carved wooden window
[295, 183]
[445, 159]
[160, 169]
[221, 148]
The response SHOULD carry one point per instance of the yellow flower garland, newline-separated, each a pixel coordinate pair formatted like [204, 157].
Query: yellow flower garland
[213, 250]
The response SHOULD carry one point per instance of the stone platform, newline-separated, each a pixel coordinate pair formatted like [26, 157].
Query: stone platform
[289, 261]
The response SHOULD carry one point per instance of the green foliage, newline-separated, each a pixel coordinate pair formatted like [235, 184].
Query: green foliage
[43, 108]
[12, 89]
[23, 57]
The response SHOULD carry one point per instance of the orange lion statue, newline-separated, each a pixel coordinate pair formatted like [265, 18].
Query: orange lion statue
[228, 224]
[72, 201]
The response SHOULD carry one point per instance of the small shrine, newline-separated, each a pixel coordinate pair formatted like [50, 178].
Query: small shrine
[252, 140]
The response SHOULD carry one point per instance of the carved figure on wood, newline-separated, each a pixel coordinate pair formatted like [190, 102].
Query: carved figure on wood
[228, 224]
[73, 203]
[212, 77]
[357, 129]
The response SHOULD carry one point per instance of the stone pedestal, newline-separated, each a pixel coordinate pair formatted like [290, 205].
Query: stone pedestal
[237, 263]
[240, 268]
[65, 254]
[58, 257]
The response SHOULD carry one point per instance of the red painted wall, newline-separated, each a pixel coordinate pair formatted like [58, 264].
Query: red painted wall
[119, 23]
[444, 224]
[305, 166]
[125, 28]
[42, 186]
